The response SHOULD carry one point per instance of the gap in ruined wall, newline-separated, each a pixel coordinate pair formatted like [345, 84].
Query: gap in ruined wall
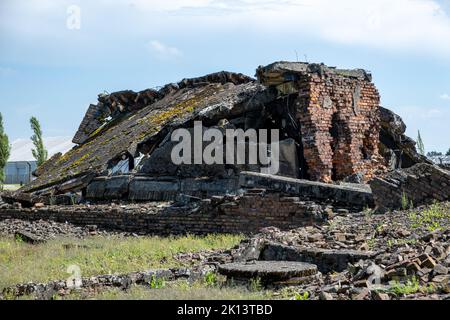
[282, 117]
[123, 163]
[334, 133]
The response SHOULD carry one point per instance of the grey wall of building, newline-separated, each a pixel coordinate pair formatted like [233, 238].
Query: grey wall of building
[18, 172]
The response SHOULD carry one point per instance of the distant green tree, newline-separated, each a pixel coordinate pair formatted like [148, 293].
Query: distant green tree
[40, 153]
[434, 154]
[448, 153]
[5, 149]
[420, 146]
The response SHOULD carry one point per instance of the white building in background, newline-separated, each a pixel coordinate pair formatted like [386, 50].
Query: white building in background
[21, 163]
[19, 172]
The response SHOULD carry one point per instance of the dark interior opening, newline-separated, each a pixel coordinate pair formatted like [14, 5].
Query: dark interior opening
[283, 117]
[122, 157]
[334, 133]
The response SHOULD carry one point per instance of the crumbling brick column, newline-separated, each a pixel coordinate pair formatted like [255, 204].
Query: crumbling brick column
[315, 120]
[339, 125]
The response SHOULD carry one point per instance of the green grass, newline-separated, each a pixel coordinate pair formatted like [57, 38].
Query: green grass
[211, 279]
[157, 283]
[21, 262]
[405, 201]
[302, 296]
[10, 187]
[410, 287]
[400, 242]
[178, 290]
[204, 289]
[201, 289]
[434, 217]
[371, 243]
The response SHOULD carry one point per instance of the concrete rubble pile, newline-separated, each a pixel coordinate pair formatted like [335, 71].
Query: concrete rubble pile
[358, 257]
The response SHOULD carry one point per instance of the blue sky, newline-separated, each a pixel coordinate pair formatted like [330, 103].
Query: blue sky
[54, 72]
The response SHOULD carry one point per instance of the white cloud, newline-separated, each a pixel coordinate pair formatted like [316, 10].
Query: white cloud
[21, 148]
[445, 96]
[167, 5]
[432, 123]
[409, 25]
[163, 51]
[420, 25]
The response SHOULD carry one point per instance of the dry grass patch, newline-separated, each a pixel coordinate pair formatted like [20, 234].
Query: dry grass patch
[178, 290]
[21, 262]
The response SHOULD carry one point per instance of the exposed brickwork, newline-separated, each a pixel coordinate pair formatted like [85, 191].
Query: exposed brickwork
[338, 115]
[421, 184]
[339, 125]
[247, 214]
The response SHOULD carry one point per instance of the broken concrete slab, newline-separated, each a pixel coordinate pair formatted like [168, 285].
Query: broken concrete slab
[24, 199]
[143, 188]
[269, 272]
[138, 132]
[327, 260]
[398, 150]
[357, 195]
[115, 187]
[285, 71]
[28, 237]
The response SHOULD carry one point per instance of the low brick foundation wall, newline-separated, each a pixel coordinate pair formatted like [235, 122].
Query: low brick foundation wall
[420, 184]
[246, 214]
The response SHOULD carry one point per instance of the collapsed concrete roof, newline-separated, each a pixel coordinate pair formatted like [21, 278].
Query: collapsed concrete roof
[329, 119]
[285, 71]
[135, 130]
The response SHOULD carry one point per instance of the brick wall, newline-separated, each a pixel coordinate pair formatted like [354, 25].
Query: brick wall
[420, 184]
[246, 214]
[339, 118]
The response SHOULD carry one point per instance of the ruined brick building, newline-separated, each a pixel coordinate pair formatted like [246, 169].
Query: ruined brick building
[332, 129]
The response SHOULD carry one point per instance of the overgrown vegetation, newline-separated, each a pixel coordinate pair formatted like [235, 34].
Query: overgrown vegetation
[432, 218]
[157, 283]
[411, 286]
[5, 149]
[212, 287]
[404, 201]
[420, 145]
[255, 284]
[211, 279]
[301, 296]
[40, 153]
[21, 262]
[400, 242]
[371, 243]
[177, 290]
